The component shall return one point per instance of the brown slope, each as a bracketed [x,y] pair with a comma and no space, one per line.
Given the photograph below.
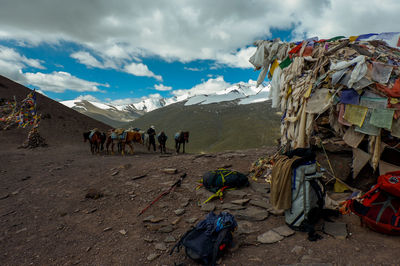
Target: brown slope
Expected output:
[61,124]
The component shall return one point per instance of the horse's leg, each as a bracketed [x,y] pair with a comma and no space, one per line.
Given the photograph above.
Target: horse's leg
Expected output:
[122,144]
[183,147]
[112,147]
[131,146]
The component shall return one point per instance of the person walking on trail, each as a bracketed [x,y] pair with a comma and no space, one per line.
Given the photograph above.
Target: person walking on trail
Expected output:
[152,137]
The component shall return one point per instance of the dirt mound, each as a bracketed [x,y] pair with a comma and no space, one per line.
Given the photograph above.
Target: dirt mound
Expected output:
[59,124]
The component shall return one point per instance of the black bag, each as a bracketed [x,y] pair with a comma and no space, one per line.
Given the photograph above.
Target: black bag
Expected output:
[215,180]
[206,242]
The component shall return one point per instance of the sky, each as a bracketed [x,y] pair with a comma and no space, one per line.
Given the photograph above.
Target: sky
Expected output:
[121,51]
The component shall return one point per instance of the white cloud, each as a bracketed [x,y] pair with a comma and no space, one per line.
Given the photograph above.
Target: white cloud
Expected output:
[115,60]
[238,59]
[87,97]
[125,101]
[139,69]
[87,59]
[206,87]
[161,87]
[12,56]
[61,81]
[193,69]
[12,65]
[188,30]
[42,92]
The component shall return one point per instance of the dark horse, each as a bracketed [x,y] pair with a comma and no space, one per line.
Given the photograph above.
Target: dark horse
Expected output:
[96,140]
[162,139]
[181,138]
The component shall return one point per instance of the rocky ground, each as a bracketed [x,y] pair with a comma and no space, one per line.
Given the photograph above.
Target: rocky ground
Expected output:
[60,205]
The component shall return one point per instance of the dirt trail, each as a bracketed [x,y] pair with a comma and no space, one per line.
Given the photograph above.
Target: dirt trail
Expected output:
[45,218]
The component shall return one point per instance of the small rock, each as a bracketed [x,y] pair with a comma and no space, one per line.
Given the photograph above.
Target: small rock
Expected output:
[88,249]
[122,232]
[179,211]
[148,239]
[297,250]
[284,230]
[115,173]
[107,229]
[93,194]
[4,196]
[208,207]
[152,256]
[169,239]
[237,193]
[21,230]
[185,202]
[91,211]
[311,259]
[251,214]
[160,246]
[177,220]
[246,228]
[192,220]
[261,204]
[230,206]
[240,202]
[259,187]
[336,229]
[149,218]
[25,178]
[166,229]
[269,237]
[170,171]
[153,227]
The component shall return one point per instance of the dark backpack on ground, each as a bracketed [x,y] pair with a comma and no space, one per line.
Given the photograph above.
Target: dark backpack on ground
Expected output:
[208,240]
[215,180]
[223,179]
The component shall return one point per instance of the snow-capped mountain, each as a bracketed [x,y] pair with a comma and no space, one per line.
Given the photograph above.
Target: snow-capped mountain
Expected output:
[116,114]
[245,93]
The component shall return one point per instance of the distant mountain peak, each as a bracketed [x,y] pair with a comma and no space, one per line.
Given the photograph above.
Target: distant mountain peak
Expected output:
[239,93]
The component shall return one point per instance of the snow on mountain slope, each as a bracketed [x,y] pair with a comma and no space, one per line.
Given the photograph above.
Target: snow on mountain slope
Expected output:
[241,93]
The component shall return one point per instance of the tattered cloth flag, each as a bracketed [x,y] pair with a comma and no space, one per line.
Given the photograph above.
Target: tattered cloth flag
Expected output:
[27,113]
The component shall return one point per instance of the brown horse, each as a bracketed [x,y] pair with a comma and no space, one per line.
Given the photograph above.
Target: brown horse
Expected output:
[125,138]
[181,137]
[111,136]
[131,137]
[95,140]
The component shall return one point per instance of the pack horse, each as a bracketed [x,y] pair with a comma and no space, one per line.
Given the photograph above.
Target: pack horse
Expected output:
[96,140]
[181,137]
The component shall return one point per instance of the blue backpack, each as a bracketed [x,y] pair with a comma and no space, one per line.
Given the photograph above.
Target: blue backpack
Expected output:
[208,240]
